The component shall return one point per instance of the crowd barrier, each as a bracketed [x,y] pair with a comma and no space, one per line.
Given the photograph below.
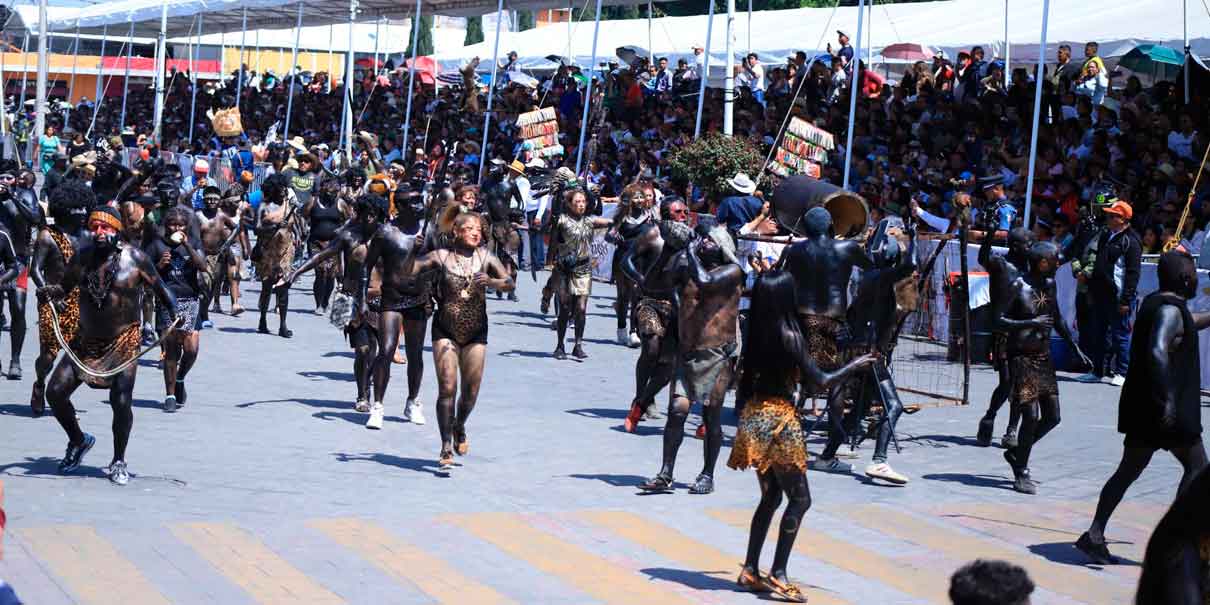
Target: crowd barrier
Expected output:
[220,167]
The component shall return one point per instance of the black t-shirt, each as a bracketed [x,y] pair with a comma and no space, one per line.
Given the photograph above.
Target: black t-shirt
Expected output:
[180,276]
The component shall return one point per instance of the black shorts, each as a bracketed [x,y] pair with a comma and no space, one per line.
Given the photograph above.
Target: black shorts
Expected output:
[440,333]
[1161,442]
[363,335]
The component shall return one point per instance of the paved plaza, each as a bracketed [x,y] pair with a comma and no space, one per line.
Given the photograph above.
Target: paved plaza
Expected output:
[266,488]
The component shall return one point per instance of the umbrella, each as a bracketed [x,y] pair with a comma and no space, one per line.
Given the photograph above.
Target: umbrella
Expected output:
[523,79]
[450,78]
[907,51]
[426,69]
[1159,61]
[561,60]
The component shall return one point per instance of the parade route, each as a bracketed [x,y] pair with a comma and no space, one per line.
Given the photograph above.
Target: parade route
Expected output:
[267,488]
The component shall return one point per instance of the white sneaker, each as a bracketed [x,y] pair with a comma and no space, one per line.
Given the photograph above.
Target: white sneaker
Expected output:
[362,406]
[1117,380]
[623,337]
[376,412]
[413,411]
[884,471]
[1089,378]
[635,341]
[846,451]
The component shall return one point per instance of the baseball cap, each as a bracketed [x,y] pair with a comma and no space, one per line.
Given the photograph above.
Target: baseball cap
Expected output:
[201,167]
[1120,208]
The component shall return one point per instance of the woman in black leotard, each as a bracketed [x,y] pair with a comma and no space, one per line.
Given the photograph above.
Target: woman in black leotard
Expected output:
[769,434]
[325,213]
[460,325]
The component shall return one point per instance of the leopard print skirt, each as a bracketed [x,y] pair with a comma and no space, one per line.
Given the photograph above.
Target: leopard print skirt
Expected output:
[329,268]
[69,322]
[104,354]
[769,437]
[654,317]
[825,336]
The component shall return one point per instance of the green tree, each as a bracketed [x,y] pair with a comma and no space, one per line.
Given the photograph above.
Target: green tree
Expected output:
[474,31]
[709,161]
[525,20]
[425,43]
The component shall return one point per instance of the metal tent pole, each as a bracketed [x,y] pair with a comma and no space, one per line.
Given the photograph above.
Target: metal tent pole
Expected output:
[1185,34]
[193,71]
[331,43]
[348,102]
[749,26]
[650,42]
[161,61]
[596,30]
[293,72]
[491,90]
[126,78]
[702,77]
[854,76]
[75,61]
[243,45]
[729,75]
[96,102]
[1008,78]
[40,104]
[377,36]
[407,113]
[24,74]
[1033,138]
[570,14]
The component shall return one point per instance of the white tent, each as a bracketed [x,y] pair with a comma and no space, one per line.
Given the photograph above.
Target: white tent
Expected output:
[951,25]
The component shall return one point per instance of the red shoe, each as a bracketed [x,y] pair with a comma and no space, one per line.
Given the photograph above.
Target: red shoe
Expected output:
[701,431]
[632,419]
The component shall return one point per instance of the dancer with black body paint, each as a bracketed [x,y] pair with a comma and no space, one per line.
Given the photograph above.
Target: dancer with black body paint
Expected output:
[54,248]
[325,213]
[111,276]
[274,251]
[769,437]
[180,266]
[1160,404]
[20,214]
[1002,270]
[708,293]
[1027,314]
[572,274]
[821,266]
[648,263]
[351,244]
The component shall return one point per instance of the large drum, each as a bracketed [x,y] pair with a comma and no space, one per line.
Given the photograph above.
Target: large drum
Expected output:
[795,195]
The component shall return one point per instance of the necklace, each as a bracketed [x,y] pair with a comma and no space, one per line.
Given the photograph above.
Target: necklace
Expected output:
[464,271]
[99,282]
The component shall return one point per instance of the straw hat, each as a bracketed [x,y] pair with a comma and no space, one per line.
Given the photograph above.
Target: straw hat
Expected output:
[517,167]
[298,144]
[470,147]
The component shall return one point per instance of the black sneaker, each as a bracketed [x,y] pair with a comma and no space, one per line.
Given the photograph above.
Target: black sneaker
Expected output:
[75,454]
[658,483]
[1098,552]
[170,404]
[1024,484]
[829,465]
[181,395]
[118,474]
[1009,440]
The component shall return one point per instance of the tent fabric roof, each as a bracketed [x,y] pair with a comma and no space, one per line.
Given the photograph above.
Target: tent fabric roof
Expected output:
[951,25]
[227,15]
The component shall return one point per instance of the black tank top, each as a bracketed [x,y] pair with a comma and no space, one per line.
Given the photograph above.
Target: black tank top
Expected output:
[325,221]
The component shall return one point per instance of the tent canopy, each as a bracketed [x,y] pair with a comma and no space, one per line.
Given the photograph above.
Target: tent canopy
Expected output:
[227,15]
[951,25]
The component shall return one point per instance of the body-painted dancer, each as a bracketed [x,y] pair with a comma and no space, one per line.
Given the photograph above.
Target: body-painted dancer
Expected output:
[572,274]
[1002,270]
[274,252]
[1027,315]
[1160,405]
[769,437]
[111,276]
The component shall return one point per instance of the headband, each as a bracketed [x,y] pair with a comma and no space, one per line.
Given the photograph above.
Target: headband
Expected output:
[106,218]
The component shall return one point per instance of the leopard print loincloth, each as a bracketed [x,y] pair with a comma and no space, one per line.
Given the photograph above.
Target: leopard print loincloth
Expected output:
[769,436]
[825,336]
[328,268]
[655,317]
[104,354]
[69,322]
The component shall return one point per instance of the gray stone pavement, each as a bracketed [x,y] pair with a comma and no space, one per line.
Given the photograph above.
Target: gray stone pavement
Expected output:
[266,488]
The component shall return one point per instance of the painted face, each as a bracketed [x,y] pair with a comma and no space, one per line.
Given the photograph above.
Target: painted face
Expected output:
[578,205]
[104,235]
[469,234]
[211,201]
[678,212]
[467,198]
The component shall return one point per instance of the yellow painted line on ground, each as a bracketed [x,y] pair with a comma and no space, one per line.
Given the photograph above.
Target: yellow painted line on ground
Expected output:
[1069,580]
[252,566]
[572,564]
[403,561]
[90,567]
[917,579]
[674,545]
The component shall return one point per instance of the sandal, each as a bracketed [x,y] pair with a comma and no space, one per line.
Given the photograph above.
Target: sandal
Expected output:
[658,483]
[785,590]
[446,461]
[752,581]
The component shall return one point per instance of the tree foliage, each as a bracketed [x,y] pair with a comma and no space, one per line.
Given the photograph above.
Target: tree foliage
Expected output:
[525,20]
[474,31]
[425,43]
[709,161]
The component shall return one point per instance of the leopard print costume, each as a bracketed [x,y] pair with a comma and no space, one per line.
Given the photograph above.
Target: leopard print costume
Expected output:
[69,316]
[103,354]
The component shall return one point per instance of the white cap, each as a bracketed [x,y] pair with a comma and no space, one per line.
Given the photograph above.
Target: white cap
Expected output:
[201,166]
